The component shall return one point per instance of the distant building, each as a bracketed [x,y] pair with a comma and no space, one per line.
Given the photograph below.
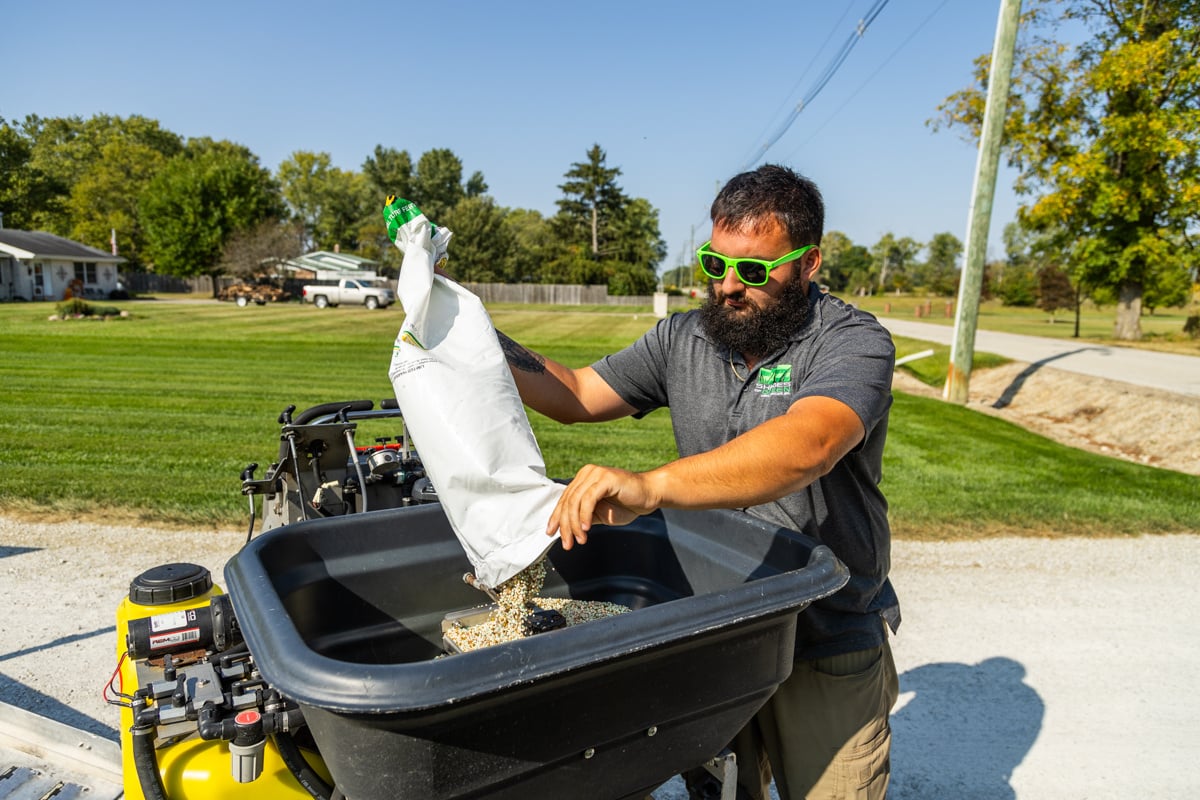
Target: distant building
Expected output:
[35,265]
[321,266]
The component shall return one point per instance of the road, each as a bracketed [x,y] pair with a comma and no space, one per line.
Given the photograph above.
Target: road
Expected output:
[1167,371]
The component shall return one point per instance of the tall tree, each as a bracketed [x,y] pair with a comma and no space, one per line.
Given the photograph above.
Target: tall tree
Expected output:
[638,241]
[592,203]
[437,185]
[304,178]
[345,208]
[1054,290]
[388,171]
[105,197]
[1014,280]
[939,274]
[535,247]
[845,266]
[1104,137]
[893,257]
[198,199]
[482,247]
[65,149]
[23,188]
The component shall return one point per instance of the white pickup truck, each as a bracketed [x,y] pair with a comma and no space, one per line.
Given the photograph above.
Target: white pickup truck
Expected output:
[358,292]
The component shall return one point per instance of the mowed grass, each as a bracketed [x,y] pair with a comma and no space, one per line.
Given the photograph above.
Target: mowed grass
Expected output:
[1162,330]
[153,418]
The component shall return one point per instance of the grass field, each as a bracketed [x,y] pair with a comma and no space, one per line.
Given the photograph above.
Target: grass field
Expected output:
[152,419]
[1162,330]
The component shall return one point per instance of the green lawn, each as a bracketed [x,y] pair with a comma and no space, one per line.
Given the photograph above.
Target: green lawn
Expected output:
[1162,330]
[152,418]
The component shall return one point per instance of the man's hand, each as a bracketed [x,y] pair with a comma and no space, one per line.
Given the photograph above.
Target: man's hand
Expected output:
[604,495]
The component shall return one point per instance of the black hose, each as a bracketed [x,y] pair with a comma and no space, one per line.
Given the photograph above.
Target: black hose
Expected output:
[329,409]
[289,751]
[146,763]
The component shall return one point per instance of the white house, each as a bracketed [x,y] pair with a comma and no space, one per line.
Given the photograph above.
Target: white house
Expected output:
[41,266]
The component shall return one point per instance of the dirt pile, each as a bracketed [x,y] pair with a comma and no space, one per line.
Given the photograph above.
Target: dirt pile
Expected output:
[1135,423]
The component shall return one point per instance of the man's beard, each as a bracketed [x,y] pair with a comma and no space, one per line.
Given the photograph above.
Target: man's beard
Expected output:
[756,331]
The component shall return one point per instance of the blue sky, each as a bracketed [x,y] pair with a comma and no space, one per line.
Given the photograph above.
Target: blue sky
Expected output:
[679,95]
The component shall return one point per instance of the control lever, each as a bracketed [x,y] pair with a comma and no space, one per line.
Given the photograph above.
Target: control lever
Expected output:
[247,476]
[349,431]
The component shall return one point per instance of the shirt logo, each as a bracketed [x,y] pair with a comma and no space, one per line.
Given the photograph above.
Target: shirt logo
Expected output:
[774,380]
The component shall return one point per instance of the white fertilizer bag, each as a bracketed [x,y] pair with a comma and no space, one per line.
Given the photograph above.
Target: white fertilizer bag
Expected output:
[462,408]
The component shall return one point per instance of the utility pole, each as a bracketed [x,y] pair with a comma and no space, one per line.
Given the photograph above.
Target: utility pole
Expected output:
[966,316]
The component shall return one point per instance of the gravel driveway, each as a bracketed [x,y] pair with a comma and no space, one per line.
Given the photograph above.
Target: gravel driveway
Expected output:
[1030,668]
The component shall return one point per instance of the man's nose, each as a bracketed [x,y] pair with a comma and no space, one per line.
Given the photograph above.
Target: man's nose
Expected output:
[731,283]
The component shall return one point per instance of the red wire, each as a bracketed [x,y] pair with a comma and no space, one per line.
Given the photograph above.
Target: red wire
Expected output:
[115,676]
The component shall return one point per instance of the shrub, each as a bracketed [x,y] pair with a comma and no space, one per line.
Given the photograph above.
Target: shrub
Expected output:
[75,307]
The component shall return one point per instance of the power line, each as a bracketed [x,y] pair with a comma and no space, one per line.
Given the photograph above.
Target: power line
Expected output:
[803,73]
[830,70]
[868,79]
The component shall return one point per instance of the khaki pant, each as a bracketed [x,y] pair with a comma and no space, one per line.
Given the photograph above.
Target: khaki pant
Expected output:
[824,733]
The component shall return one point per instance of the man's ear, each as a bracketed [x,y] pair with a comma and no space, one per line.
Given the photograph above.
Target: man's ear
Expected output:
[810,263]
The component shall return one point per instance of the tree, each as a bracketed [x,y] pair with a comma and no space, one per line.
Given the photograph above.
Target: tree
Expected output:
[250,252]
[1104,136]
[892,260]
[834,246]
[105,197]
[43,159]
[607,237]
[639,247]
[65,149]
[388,172]
[592,203]
[940,274]
[437,185]
[23,188]
[304,178]
[1055,290]
[845,266]
[1014,280]
[197,200]
[535,247]
[345,208]
[482,248]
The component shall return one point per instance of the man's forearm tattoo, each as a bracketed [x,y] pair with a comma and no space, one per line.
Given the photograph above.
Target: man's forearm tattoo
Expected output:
[521,357]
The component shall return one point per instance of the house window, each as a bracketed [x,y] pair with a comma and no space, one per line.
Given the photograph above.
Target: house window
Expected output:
[85,272]
[38,279]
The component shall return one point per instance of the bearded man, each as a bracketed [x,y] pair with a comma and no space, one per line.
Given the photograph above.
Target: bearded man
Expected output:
[779,398]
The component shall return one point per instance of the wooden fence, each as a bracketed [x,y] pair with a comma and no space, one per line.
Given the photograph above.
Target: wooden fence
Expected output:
[557,294]
[560,294]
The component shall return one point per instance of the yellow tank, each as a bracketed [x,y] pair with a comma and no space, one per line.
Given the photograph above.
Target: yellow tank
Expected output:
[191,768]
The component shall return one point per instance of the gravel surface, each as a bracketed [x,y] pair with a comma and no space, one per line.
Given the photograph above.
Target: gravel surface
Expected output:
[1030,668]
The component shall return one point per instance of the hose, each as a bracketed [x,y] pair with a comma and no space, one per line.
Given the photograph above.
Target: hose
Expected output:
[146,763]
[289,751]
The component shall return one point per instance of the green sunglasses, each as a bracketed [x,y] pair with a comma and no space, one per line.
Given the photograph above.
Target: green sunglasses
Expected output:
[750,271]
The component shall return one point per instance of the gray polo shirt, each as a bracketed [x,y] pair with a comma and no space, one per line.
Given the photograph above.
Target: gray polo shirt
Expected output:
[841,353]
